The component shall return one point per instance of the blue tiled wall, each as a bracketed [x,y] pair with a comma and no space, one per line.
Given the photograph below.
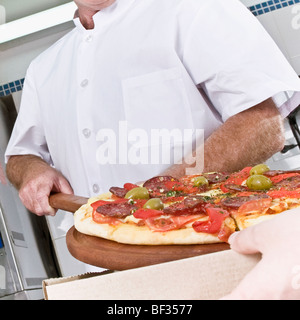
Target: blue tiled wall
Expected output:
[257,10]
[271,5]
[11,87]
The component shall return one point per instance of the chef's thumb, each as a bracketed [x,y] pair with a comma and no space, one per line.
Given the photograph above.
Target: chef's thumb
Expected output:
[245,241]
[63,186]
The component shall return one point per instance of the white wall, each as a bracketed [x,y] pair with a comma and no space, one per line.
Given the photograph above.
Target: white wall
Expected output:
[16,56]
[284,26]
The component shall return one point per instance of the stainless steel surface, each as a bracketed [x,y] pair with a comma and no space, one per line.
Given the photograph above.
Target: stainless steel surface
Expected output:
[26,256]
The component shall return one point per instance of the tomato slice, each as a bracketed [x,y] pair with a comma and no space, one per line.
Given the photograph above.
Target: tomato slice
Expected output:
[284,176]
[236,178]
[98,203]
[130,186]
[191,189]
[275,194]
[214,223]
[180,187]
[225,233]
[189,179]
[101,219]
[172,185]
[147,213]
[172,199]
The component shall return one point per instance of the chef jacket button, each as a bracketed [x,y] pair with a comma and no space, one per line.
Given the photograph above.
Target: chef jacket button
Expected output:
[89,38]
[96,188]
[84,83]
[86,132]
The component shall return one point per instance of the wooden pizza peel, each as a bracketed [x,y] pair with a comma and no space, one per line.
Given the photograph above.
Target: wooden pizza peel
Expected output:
[117,256]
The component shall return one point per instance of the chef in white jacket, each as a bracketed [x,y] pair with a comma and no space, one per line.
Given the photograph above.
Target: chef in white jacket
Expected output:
[143,65]
[131,68]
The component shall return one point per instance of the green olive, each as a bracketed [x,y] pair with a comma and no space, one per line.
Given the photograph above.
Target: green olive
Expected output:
[154,204]
[200,181]
[259,182]
[137,193]
[259,169]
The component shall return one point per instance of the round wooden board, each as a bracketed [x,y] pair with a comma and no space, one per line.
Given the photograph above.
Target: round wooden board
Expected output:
[117,256]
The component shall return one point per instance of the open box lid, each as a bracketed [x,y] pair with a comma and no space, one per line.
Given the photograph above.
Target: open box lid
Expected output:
[207,277]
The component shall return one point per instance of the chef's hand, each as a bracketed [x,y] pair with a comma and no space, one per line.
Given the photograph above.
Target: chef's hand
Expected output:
[277,275]
[35,180]
[36,190]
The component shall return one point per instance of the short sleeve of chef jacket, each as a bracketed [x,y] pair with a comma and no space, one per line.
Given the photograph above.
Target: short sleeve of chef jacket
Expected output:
[228,52]
[29,120]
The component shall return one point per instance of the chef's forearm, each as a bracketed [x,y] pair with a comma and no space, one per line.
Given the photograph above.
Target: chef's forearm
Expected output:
[247,138]
[19,167]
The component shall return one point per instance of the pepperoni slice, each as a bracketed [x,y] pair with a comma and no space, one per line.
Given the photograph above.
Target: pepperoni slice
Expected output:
[260,206]
[181,221]
[161,224]
[169,223]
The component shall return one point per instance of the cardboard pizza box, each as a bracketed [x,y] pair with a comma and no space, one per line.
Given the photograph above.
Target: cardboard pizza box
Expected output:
[207,277]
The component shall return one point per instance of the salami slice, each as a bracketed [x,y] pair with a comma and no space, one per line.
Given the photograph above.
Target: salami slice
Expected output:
[236,202]
[274,173]
[290,183]
[190,205]
[196,201]
[216,177]
[158,182]
[117,210]
[159,186]
[235,187]
[119,192]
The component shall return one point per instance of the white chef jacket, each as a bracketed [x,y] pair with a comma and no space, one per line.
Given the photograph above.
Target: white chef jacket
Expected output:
[140,65]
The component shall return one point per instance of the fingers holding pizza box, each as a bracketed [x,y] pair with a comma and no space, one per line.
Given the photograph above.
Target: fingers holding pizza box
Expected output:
[278,271]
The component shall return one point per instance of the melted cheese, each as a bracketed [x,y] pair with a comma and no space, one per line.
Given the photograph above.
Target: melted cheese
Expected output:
[211,193]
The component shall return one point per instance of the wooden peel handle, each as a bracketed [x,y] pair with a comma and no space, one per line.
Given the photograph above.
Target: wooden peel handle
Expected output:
[66,202]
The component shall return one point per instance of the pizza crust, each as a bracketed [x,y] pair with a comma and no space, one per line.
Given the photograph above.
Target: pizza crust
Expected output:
[129,233]
[244,222]
[278,207]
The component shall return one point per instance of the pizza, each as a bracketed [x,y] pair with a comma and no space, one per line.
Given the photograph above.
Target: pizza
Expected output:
[195,209]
